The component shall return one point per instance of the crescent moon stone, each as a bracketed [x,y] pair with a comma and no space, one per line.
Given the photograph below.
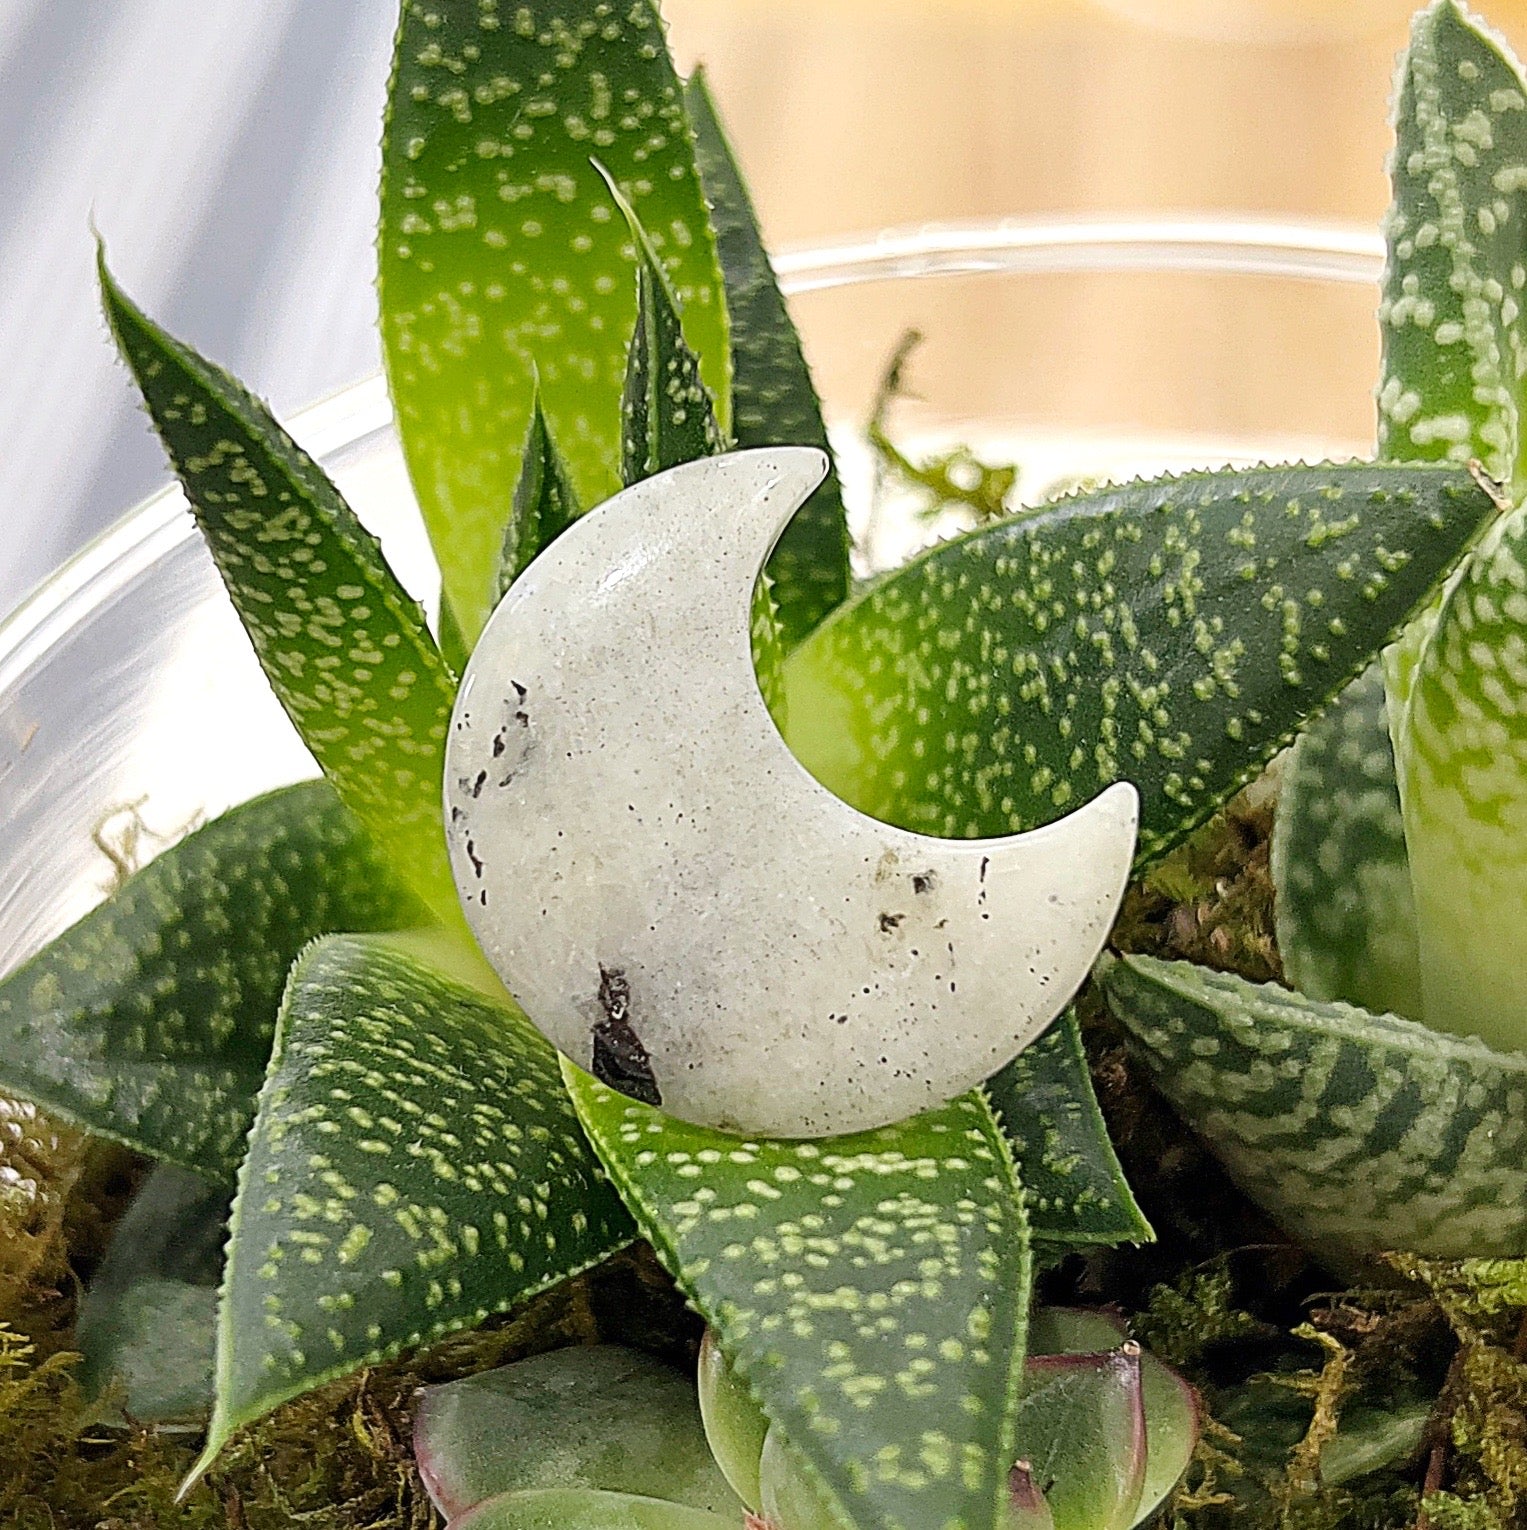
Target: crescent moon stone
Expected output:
[676,903]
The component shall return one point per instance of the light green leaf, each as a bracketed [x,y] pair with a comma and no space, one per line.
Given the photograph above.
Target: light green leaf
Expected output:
[587,1509]
[1172,633]
[667,417]
[774,402]
[1075,1188]
[1357,1132]
[414,1166]
[1451,315]
[1346,917]
[345,648]
[544,502]
[592,1416]
[500,253]
[1081,1433]
[872,1289]
[1461,749]
[150,1020]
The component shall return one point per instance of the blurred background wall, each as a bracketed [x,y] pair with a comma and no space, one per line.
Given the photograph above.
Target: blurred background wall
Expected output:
[226,151]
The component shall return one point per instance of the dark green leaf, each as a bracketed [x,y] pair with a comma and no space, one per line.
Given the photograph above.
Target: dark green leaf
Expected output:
[667,417]
[1076,1190]
[414,1166]
[587,1417]
[344,646]
[150,1020]
[872,1289]
[544,502]
[1172,633]
[1357,1132]
[1451,317]
[774,402]
[1346,916]
[147,1323]
[501,256]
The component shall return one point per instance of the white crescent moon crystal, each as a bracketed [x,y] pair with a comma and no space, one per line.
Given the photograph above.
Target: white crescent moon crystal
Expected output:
[676,903]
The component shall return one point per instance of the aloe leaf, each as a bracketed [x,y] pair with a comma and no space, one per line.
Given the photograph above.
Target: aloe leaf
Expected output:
[150,1020]
[500,255]
[145,1327]
[1357,1132]
[345,648]
[545,504]
[1173,633]
[414,1166]
[667,417]
[1081,1436]
[1075,1188]
[1451,315]
[587,1509]
[774,402]
[872,1289]
[735,1426]
[1345,913]
[597,1416]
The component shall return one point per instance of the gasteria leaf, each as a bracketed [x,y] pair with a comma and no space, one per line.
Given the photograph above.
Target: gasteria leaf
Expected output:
[1174,633]
[414,1166]
[500,253]
[345,648]
[666,414]
[150,1021]
[1346,916]
[1075,1188]
[872,1290]
[1455,337]
[545,504]
[774,402]
[1357,1132]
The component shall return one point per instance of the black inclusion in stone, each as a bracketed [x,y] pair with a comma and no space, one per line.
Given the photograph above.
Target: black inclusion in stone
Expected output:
[620,1060]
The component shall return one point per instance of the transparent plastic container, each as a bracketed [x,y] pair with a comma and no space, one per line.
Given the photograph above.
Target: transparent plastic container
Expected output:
[129,694]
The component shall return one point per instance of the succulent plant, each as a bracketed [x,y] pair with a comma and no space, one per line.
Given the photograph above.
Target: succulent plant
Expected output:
[574,296]
[1381,1103]
[1106,1432]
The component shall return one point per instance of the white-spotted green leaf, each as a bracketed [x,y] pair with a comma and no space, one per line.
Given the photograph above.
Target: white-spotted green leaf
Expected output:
[1357,1132]
[545,503]
[1075,1187]
[590,1416]
[667,418]
[414,1166]
[501,256]
[1346,917]
[1172,633]
[774,402]
[150,1021]
[872,1289]
[666,413]
[345,648]
[1451,315]
[1461,749]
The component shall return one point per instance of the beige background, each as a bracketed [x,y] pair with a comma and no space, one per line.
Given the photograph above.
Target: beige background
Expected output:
[856,114]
